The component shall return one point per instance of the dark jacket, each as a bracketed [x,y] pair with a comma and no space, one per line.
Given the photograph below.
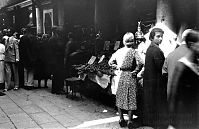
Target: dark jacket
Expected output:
[27,51]
[11,50]
[56,47]
[184,98]
[154,93]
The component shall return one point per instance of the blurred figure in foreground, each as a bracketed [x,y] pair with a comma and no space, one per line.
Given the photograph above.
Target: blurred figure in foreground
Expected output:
[172,59]
[184,96]
[128,63]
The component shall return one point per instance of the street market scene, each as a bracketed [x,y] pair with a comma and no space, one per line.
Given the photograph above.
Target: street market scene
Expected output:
[99,64]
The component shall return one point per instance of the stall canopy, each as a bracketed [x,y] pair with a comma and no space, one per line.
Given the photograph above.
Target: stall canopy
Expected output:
[4,3]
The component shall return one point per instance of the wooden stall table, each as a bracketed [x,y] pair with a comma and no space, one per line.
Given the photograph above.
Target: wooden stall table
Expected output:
[74,84]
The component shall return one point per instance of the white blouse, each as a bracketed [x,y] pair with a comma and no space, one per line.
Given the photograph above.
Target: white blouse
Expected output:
[2,50]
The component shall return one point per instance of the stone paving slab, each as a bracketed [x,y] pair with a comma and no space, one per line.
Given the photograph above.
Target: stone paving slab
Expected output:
[39,109]
[20,117]
[9,106]
[67,120]
[54,110]
[7,125]
[107,123]
[42,118]
[22,102]
[52,125]
[24,124]
[31,109]
[1,112]
[4,119]
[5,99]
[12,111]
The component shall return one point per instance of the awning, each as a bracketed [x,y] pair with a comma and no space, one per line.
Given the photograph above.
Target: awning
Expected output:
[18,3]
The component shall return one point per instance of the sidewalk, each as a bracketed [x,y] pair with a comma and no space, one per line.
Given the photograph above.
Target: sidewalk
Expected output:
[39,109]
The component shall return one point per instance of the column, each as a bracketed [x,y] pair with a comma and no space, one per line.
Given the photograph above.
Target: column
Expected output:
[105,17]
[34,14]
[60,9]
[164,13]
[39,20]
[197,15]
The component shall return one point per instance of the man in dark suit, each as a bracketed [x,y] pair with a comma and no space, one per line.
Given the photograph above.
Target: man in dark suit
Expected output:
[172,58]
[27,57]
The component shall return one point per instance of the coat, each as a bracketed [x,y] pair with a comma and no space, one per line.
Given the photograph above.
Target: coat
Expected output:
[27,51]
[171,61]
[154,93]
[184,97]
[41,71]
[11,50]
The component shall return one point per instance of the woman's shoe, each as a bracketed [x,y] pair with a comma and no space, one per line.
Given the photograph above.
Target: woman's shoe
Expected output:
[5,90]
[16,88]
[132,125]
[122,123]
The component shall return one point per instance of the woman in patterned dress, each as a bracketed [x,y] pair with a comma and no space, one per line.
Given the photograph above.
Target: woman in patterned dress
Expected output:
[128,64]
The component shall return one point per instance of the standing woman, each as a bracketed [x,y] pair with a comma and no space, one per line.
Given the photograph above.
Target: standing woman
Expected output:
[128,64]
[154,96]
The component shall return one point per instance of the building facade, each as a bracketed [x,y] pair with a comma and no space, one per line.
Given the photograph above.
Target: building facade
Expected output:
[112,17]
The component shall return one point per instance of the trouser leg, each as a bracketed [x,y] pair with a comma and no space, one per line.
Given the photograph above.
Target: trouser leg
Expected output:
[7,75]
[21,74]
[54,79]
[25,77]
[39,83]
[16,75]
[30,78]
[45,82]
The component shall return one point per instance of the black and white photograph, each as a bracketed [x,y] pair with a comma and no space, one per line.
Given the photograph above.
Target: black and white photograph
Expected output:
[99,64]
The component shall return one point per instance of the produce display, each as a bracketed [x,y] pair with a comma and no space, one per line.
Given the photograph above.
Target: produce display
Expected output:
[96,68]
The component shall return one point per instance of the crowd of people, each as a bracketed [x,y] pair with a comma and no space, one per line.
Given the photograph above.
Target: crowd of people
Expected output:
[170,88]
[26,57]
[169,93]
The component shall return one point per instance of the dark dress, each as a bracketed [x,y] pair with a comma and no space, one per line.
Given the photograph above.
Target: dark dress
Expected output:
[184,98]
[154,92]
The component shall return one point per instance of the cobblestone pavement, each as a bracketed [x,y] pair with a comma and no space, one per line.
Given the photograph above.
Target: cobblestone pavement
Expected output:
[39,109]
